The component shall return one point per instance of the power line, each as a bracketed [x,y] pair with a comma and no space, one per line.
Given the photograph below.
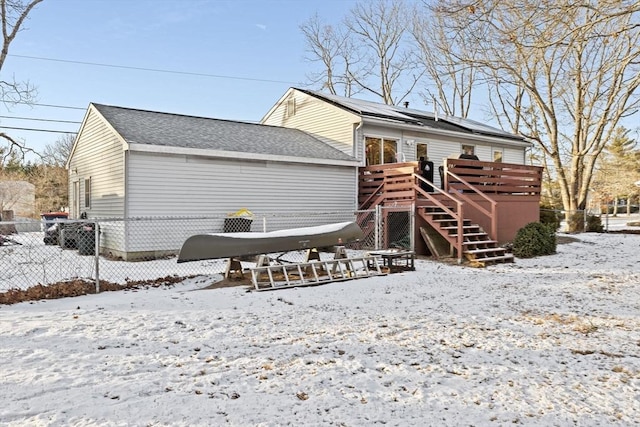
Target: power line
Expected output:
[50,105]
[40,120]
[36,130]
[155,70]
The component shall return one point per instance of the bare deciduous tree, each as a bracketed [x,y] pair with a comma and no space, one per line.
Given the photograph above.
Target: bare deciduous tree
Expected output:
[451,81]
[564,73]
[370,52]
[332,47]
[56,154]
[13,14]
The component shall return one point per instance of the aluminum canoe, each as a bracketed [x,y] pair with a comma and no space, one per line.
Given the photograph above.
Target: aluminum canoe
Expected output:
[229,245]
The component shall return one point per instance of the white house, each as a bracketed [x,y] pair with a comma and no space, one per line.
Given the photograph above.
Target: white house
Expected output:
[376,133]
[496,197]
[129,163]
[304,156]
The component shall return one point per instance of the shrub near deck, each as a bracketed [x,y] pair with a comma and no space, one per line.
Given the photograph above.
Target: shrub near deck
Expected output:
[534,239]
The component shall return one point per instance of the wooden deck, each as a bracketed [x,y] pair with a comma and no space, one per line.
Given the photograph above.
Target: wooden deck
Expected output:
[478,205]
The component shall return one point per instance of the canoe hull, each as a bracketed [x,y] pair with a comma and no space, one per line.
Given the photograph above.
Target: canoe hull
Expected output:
[228,245]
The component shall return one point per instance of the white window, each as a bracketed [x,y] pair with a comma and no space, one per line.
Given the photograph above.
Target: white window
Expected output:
[380,150]
[469,150]
[421,150]
[497,155]
[290,107]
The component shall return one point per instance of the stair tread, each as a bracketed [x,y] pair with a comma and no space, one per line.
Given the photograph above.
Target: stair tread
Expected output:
[480,242]
[495,258]
[484,250]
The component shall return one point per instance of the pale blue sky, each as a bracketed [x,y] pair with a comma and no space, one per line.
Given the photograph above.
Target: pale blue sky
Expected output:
[254,46]
[257,42]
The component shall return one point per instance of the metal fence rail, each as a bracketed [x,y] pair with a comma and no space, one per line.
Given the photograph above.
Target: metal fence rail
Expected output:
[142,249]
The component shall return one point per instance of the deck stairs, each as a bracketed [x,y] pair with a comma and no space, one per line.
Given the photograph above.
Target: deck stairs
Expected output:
[478,248]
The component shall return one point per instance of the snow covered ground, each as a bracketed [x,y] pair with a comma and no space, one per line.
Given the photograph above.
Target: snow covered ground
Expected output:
[547,341]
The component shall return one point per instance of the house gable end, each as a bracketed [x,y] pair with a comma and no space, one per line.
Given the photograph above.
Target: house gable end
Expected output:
[92,114]
[178,132]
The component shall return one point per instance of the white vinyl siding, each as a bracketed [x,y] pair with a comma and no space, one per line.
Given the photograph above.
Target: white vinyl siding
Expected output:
[329,124]
[98,156]
[510,155]
[160,185]
[179,185]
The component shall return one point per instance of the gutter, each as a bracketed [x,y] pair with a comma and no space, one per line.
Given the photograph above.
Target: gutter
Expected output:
[235,155]
[474,137]
[360,162]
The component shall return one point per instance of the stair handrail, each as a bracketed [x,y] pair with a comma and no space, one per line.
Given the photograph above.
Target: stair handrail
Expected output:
[458,215]
[492,215]
[387,174]
[374,193]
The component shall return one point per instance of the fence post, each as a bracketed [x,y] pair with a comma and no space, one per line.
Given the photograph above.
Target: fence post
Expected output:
[97,255]
[412,227]
[378,227]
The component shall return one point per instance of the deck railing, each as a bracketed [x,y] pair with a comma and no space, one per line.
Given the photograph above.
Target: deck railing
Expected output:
[479,186]
[395,181]
[381,184]
[492,177]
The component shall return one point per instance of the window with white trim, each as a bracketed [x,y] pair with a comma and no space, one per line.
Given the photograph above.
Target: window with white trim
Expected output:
[290,107]
[497,155]
[380,150]
[421,150]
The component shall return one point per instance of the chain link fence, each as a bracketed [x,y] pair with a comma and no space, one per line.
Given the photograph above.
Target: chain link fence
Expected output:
[396,227]
[589,220]
[145,249]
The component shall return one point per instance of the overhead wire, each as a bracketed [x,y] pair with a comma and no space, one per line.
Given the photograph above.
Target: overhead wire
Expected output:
[36,130]
[40,120]
[125,67]
[49,105]
[155,70]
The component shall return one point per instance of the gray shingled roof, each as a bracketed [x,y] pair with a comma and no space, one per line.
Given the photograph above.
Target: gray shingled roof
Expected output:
[411,116]
[175,130]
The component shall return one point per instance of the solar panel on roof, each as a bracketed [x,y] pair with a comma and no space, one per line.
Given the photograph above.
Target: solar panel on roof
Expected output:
[477,126]
[411,115]
[367,107]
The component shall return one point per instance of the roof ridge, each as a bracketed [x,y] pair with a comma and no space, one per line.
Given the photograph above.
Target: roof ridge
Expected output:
[96,104]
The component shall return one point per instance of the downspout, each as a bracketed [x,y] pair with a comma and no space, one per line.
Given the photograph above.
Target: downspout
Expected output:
[125,213]
[354,151]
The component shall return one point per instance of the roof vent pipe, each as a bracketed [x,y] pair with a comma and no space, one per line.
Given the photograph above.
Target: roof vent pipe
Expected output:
[406,104]
[435,108]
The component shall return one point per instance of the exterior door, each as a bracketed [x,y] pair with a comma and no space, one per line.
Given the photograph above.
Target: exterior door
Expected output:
[75,209]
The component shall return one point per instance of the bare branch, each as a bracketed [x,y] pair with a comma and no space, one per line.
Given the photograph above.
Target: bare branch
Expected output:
[369,52]
[576,63]
[13,14]
[14,147]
